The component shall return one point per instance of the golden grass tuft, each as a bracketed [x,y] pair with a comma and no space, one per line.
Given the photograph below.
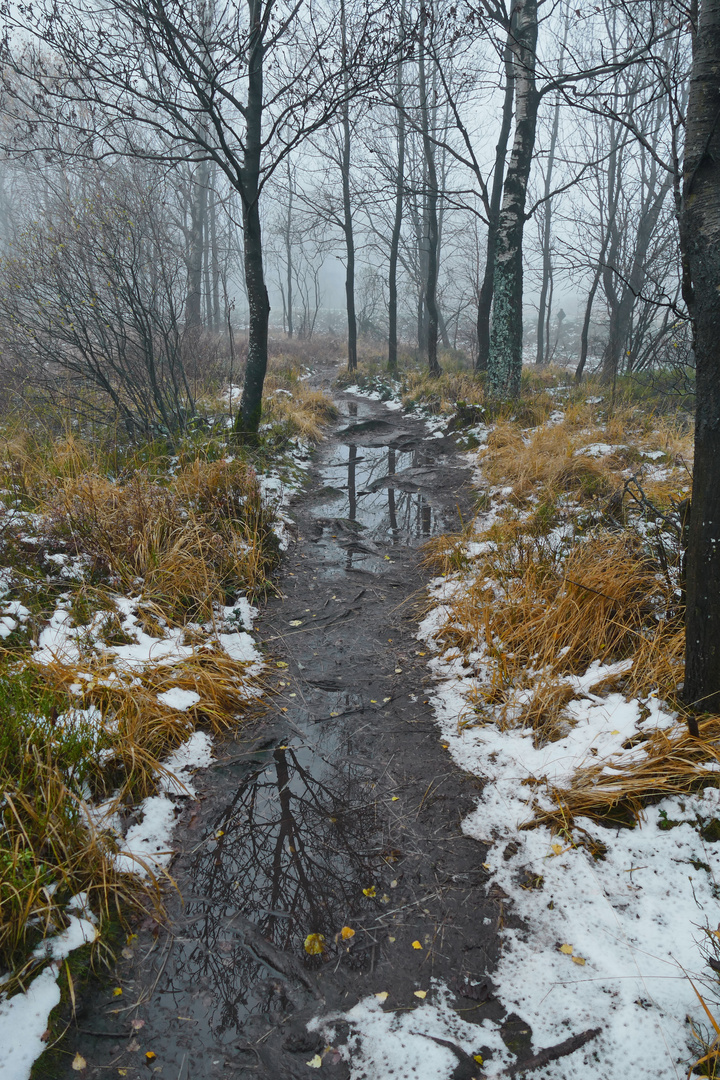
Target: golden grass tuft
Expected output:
[572,570]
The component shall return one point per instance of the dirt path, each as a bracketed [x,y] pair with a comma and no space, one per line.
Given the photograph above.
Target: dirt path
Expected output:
[343,811]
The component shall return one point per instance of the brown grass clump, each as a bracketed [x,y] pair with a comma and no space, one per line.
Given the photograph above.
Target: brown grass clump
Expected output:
[579,563]
[191,544]
[303,412]
[669,762]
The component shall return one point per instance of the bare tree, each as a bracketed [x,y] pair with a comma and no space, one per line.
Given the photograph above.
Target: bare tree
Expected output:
[172,79]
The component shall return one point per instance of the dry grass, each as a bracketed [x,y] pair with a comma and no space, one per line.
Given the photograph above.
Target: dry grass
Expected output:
[183,542]
[191,542]
[578,563]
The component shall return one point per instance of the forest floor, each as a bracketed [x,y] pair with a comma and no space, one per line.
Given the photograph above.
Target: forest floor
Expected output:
[468,835]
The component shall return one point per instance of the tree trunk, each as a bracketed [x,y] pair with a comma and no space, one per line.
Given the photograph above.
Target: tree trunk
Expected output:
[198,227]
[347,208]
[485,295]
[432,222]
[288,253]
[543,336]
[700,239]
[397,222]
[248,418]
[505,360]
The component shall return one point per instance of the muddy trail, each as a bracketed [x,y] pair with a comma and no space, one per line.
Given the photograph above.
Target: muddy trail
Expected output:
[340,808]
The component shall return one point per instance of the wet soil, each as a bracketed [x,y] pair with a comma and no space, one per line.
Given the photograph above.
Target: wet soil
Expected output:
[340,808]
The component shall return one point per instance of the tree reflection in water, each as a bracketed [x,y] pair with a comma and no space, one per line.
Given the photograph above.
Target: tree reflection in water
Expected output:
[292,853]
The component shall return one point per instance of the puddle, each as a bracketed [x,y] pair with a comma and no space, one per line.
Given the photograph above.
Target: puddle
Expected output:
[285,858]
[291,836]
[377,491]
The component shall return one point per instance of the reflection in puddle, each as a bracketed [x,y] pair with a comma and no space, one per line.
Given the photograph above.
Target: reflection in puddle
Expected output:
[374,494]
[286,858]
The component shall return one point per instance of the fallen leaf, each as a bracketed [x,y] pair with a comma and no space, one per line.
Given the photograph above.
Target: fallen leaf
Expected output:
[387,699]
[117,991]
[347,932]
[486,866]
[578,960]
[373,701]
[478,1058]
[315,944]
[79,1063]
[372,891]
[133,1046]
[395,798]
[445,746]
[280,664]
[384,899]
[398,671]
[420,993]
[315,1062]
[382,996]
[392,939]
[137,1024]
[422,654]
[615,732]
[219,833]
[416,945]
[295,622]
[388,558]
[557,849]
[122,1072]
[567,949]
[393,884]
[127,953]
[150,1056]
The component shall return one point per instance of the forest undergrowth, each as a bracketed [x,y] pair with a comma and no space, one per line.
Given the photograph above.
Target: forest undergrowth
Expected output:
[128,575]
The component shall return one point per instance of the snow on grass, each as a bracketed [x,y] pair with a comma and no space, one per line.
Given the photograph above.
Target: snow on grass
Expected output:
[608,919]
[24,1017]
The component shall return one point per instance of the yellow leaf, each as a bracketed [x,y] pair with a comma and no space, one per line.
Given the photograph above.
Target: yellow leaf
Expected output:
[395,798]
[577,960]
[117,991]
[150,1056]
[388,558]
[420,993]
[615,732]
[416,945]
[398,671]
[384,899]
[315,944]
[372,891]
[391,939]
[373,701]
[486,866]
[296,622]
[315,1062]
[79,1063]
[382,996]
[280,663]
[422,654]
[219,833]
[478,1058]
[557,849]
[387,699]
[567,949]
[122,1072]
[347,932]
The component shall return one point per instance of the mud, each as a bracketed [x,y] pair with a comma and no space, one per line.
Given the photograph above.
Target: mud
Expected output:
[339,809]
